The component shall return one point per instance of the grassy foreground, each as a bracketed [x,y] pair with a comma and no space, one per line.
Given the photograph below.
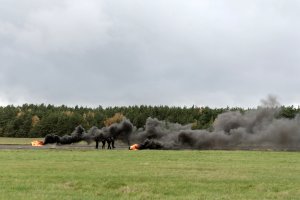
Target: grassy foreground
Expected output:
[103,174]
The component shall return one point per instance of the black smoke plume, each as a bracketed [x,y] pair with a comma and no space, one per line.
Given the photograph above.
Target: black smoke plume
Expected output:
[117,131]
[259,128]
[255,129]
[76,136]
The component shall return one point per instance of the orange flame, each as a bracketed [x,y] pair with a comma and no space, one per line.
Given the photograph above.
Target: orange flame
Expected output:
[37,143]
[134,147]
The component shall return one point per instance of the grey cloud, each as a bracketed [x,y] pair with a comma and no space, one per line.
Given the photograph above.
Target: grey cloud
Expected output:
[151,52]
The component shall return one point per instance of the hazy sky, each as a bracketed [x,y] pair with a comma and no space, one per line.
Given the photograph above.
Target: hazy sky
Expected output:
[158,52]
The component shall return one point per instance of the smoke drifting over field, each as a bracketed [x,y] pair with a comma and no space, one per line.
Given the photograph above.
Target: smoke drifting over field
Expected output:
[257,128]
[119,131]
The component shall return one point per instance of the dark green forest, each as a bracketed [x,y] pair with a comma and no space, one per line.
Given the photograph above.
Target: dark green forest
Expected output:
[31,120]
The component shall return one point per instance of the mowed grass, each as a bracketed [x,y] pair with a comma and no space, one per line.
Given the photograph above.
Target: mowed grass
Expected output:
[11,140]
[121,174]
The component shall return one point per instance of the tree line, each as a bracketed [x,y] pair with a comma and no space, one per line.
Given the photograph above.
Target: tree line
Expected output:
[30,120]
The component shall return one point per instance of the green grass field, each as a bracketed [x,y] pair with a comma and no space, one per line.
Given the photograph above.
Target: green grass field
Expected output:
[121,174]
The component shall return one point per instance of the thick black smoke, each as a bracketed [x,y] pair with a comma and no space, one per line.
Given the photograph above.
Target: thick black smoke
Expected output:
[120,131]
[258,128]
[76,136]
[117,131]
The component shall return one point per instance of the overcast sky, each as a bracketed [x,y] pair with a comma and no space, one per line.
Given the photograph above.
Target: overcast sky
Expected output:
[154,52]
